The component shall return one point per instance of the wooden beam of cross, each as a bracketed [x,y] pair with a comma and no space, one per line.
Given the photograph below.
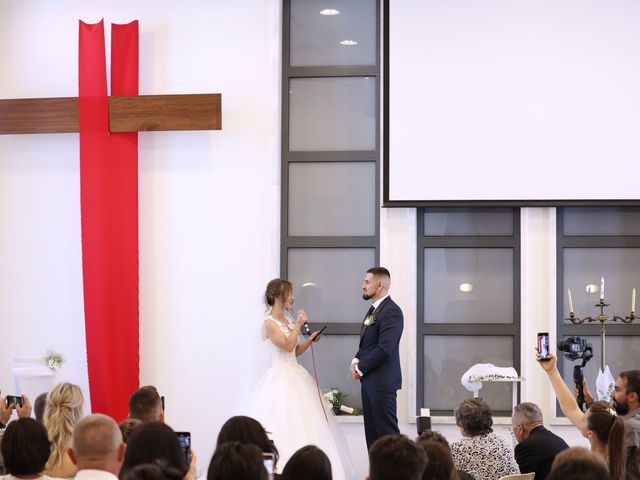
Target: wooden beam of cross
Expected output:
[126,114]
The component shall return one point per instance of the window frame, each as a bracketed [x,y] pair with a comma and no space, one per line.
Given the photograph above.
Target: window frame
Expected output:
[348,326]
[465,329]
[586,329]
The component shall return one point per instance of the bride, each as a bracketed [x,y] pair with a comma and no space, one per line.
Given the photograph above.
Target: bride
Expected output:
[289,404]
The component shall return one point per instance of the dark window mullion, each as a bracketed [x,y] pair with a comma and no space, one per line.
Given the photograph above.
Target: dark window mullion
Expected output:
[330,242]
[469,242]
[599,242]
[337,328]
[330,156]
[333,71]
[466,329]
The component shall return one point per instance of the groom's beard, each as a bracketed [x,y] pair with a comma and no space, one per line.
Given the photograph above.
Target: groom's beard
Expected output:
[621,409]
[366,296]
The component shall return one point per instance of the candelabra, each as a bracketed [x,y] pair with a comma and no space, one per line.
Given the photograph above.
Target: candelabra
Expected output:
[602,318]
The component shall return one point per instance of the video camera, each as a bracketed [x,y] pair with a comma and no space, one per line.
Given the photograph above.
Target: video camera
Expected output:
[576,348]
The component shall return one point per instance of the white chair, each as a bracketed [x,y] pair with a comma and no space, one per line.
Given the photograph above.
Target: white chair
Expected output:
[519,476]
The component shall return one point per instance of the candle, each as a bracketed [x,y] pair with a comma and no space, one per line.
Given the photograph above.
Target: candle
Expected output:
[633,300]
[602,288]
[570,302]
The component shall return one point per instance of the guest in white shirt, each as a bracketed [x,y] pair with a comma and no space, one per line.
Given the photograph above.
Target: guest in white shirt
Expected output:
[25,447]
[97,449]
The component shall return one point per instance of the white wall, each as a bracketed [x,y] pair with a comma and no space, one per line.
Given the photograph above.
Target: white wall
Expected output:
[209,214]
[208,201]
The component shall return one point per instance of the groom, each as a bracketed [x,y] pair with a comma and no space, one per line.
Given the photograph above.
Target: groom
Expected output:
[377,363]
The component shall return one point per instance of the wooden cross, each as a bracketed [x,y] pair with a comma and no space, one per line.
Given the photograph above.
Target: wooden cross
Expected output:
[126,114]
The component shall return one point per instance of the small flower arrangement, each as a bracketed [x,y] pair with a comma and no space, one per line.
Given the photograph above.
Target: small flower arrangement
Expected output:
[53,359]
[369,320]
[335,398]
[489,377]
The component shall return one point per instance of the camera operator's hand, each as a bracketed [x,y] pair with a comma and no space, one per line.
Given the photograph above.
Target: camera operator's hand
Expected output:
[5,411]
[25,410]
[588,398]
[549,364]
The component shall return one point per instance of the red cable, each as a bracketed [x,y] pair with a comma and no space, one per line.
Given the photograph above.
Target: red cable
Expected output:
[315,374]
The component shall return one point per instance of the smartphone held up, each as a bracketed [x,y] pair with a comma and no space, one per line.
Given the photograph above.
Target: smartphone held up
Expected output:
[543,346]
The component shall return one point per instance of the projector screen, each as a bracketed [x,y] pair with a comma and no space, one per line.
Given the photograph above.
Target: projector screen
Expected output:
[520,102]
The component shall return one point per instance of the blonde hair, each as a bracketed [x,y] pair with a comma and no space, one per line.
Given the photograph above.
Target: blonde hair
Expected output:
[63,410]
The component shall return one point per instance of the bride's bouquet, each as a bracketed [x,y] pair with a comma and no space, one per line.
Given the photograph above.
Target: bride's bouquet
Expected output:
[336,398]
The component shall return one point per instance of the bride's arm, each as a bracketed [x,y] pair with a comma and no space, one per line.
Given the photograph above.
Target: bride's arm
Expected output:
[284,342]
[304,346]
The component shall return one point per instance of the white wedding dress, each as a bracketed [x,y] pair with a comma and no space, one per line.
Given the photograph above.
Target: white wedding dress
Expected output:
[289,407]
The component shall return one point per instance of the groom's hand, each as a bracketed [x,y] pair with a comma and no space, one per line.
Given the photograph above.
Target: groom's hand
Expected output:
[354,373]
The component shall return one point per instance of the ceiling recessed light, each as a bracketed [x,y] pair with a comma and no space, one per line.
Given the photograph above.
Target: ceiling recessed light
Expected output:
[466,287]
[348,42]
[329,11]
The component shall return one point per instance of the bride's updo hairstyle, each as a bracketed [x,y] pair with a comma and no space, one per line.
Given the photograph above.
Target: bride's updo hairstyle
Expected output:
[277,288]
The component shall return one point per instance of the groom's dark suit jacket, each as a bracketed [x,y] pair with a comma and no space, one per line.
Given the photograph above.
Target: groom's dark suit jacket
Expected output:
[378,352]
[537,451]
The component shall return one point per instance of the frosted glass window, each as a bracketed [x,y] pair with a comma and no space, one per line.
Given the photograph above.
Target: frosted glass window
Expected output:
[328,281]
[316,38]
[332,114]
[468,285]
[333,360]
[476,222]
[446,358]
[332,199]
[601,221]
[583,269]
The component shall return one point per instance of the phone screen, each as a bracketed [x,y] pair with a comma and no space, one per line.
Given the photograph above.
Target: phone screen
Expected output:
[17,400]
[185,443]
[543,345]
[268,463]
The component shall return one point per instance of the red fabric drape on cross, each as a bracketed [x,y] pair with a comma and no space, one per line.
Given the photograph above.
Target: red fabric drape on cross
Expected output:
[109,209]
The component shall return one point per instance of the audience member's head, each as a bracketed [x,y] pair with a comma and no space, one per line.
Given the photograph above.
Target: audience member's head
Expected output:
[433,436]
[145,404]
[25,447]
[128,426]
[154,441]
[526,416]
[158,470]
[576,453]
[626,394]
[605,430]
[38,406]
[97,444]
[308,463]
[473,416]
[395,456]
[62,412]
[237,461]
[440,464]
[578,463]
[247,430]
